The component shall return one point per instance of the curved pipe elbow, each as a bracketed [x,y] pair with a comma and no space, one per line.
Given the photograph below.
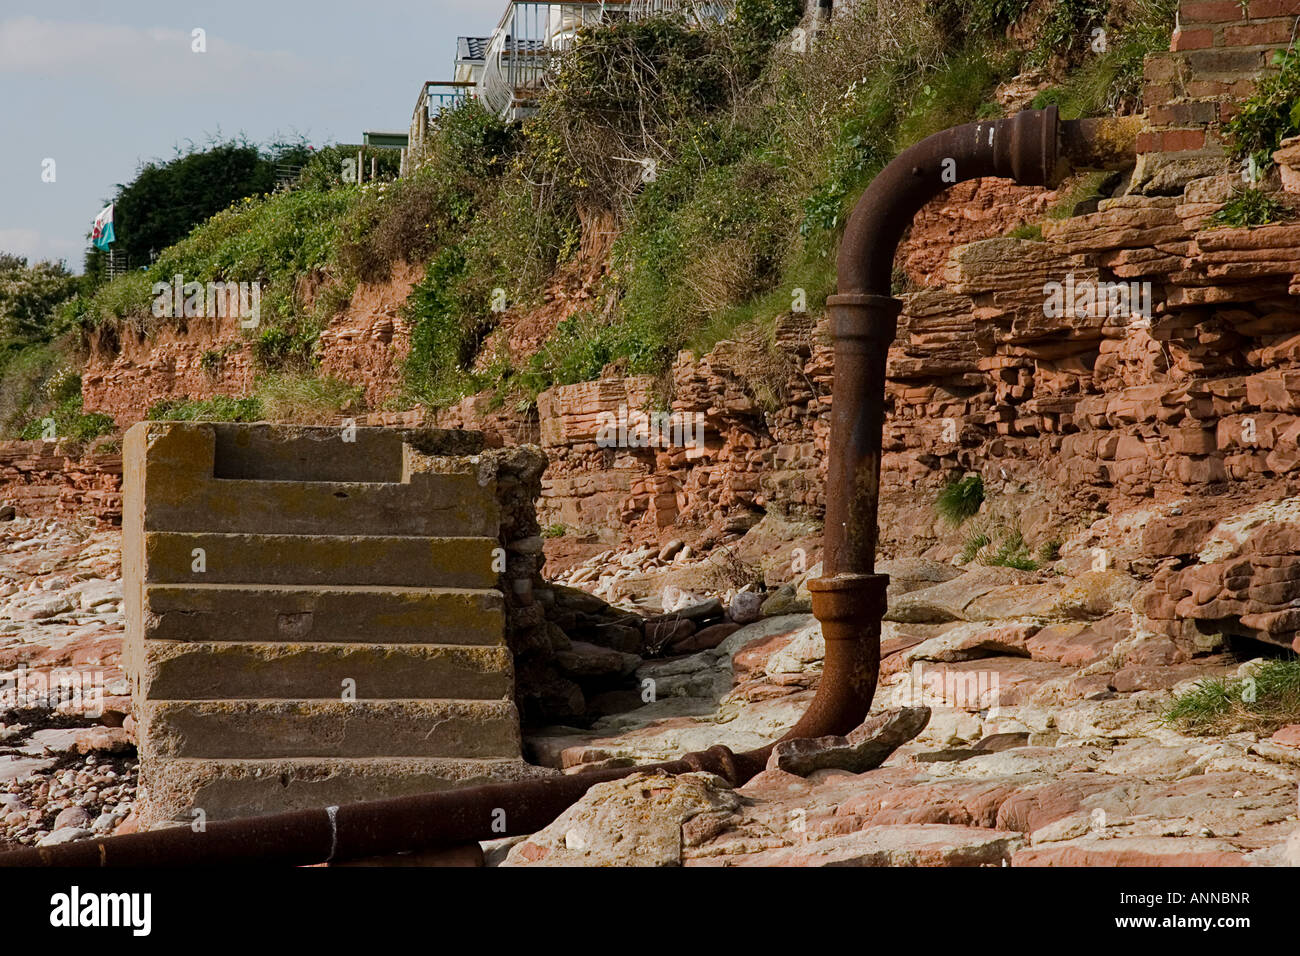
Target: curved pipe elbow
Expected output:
[1022,147]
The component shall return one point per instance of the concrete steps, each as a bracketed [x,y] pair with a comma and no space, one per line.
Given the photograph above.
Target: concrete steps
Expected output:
[311,618]
[319,559]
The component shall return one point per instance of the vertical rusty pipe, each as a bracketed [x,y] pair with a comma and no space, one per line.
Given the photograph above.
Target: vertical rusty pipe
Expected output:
[849,598]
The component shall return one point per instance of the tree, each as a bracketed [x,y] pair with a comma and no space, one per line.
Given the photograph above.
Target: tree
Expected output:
[29,294]
[168,199]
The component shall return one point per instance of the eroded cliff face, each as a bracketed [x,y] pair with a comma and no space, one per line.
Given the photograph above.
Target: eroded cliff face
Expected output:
[130,369]
[1134,355]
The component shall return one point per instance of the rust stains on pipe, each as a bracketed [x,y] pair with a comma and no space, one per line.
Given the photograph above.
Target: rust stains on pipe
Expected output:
[849,600]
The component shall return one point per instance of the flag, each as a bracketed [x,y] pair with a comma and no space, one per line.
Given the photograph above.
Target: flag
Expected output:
[102,234]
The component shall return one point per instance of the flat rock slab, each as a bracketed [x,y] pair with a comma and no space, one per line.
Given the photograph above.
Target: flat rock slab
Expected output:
[909,845]
[948,601]
[18,768]
[1143,851]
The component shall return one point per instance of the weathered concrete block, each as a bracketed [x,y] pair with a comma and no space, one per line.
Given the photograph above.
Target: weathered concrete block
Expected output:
[211,671]
[312,616]
[321,559]
[202,612]
[223,789]
[260,729]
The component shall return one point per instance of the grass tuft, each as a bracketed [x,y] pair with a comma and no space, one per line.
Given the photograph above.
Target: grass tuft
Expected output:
[960,499]
[1262,702]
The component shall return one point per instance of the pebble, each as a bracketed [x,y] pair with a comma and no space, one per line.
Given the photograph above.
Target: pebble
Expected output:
[71,817]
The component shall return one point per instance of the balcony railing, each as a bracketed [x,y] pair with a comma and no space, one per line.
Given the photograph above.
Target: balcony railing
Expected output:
[435,96]
[530,35]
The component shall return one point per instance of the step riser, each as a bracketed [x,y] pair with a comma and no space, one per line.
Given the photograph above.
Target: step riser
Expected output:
[449,506]
[226,790]
[319,560]
[181,613]
[189,671]
[268,729]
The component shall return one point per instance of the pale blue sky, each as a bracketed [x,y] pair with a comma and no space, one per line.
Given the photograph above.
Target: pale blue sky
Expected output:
[101,87]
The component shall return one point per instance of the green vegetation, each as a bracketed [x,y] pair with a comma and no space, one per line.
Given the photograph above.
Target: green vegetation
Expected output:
[39,345]
[712,165]
[218,409]
[1011,552]
[1269,115]
[1262,702]
[1001,546]
[303,398]
[1250,207]
[169,198]
[62,416]
[554,531]
[960,499]
[1031,232]
[306,398]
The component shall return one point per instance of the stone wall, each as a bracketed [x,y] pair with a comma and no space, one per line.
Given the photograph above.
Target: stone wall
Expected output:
[62,479]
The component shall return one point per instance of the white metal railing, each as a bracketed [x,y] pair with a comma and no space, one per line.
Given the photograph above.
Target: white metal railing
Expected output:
[530,35]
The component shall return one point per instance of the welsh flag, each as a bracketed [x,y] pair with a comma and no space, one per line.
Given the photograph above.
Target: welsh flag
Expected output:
[102,234]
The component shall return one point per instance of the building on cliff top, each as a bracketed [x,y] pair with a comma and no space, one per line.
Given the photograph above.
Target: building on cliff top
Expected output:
[505,70]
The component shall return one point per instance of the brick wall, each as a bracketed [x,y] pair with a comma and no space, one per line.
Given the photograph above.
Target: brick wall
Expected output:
[1219,50]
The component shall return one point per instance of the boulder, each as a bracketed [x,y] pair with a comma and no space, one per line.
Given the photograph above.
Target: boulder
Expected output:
[746,607]
[72,817]
[1095,594]
[587,661]
[705,639]
[786,600]
[640,820]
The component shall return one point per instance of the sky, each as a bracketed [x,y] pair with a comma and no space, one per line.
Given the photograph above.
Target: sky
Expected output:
[102,87]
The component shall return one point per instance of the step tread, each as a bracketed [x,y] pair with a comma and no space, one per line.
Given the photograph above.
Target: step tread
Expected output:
[317,588]
[225,788]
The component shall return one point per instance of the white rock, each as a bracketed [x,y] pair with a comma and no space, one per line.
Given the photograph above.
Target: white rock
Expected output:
[66,835]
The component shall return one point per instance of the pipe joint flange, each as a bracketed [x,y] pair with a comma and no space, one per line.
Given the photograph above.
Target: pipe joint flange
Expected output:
[857,315]
[849,597]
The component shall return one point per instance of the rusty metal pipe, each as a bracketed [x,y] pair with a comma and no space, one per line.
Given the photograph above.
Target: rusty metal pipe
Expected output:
[848,600]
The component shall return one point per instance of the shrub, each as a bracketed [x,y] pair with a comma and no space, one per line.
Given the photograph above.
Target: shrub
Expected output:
[324,169]
[998,545]
[31,295]
[402,222]
[1269,115]
[168,199]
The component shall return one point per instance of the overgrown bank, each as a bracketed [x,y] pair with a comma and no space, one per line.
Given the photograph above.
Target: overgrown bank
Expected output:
[695,178]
